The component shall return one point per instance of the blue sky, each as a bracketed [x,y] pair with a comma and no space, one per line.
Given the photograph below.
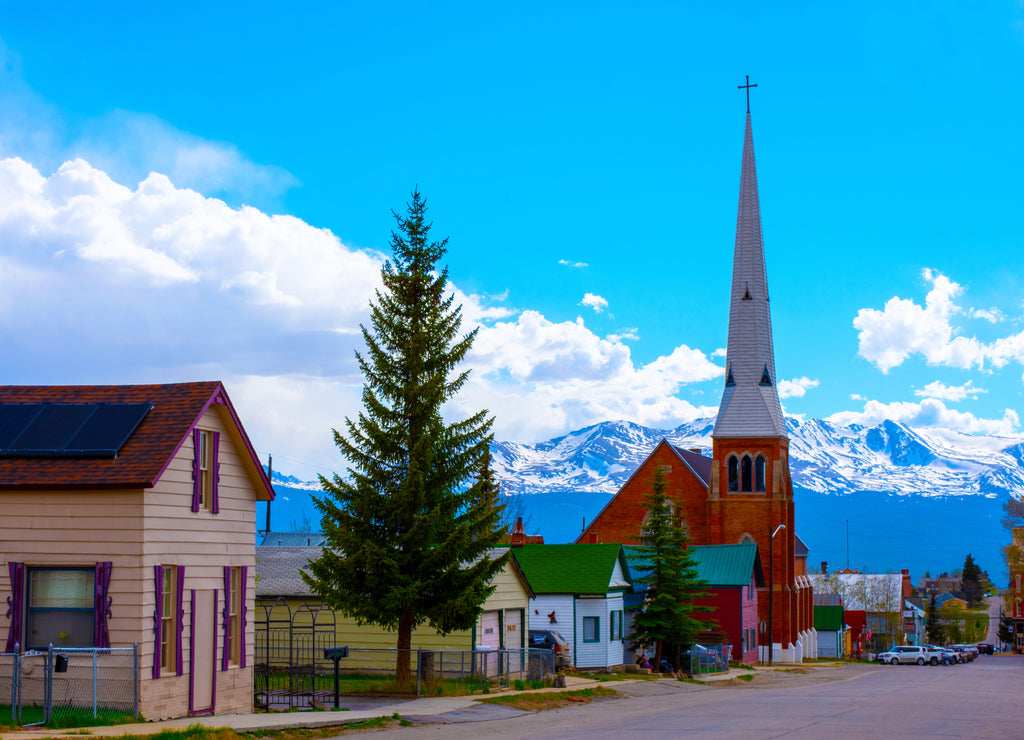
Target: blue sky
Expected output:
[192,192]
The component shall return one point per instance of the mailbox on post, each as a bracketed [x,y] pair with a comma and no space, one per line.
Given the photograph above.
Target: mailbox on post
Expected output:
[336,654]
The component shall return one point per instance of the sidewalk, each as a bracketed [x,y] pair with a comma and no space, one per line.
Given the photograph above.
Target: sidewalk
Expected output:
[421,709]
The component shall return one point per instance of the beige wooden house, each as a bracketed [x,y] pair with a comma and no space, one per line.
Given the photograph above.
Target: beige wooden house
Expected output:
[502,622]
[127,515]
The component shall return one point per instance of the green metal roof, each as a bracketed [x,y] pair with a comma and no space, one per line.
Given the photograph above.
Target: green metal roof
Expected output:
[719,565]
[569,569]
[829,618]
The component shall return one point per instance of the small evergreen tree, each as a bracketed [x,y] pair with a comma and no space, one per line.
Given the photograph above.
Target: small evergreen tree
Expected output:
[667,619]
[970,582]
[932,626]
[408,531]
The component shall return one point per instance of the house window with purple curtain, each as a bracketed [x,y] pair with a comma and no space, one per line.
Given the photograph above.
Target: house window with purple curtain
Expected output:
[205,471]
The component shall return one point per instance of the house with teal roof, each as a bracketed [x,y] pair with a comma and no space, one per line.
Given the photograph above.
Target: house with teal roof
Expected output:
[579,590]
[733,574]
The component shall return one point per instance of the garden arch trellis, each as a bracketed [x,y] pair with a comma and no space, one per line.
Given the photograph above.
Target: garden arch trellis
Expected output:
[290,644]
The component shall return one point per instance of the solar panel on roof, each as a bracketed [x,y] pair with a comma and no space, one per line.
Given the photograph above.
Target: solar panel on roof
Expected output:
[109,427]
[53,427]
[14,417]
[87,430]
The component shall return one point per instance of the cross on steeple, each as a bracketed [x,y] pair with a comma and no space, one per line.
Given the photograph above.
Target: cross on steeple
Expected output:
[747,86]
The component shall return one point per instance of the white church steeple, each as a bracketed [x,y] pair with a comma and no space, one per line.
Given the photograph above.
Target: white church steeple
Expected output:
[750,400]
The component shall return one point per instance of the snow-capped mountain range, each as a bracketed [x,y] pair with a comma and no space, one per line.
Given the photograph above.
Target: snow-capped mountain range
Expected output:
[880,498]
[824,458]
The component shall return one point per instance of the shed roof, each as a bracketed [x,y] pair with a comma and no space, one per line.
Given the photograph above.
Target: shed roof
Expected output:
[571,569]
[278,569]
[145,455]
[717,565]
[829,618]
[729,565]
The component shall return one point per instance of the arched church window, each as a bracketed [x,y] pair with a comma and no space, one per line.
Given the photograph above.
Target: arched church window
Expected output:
[734,473]
[746,539]
[746,474]
[759,473]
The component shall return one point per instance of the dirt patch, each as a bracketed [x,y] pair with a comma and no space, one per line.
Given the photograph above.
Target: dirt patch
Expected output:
[538,702]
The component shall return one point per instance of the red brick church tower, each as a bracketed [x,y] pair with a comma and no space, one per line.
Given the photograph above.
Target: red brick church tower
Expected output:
[750,495]
[744,492]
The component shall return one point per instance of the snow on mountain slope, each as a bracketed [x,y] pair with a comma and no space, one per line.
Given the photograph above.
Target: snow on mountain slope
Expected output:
[824,457]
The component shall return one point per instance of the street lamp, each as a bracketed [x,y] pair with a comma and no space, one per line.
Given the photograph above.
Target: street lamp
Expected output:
[771,592]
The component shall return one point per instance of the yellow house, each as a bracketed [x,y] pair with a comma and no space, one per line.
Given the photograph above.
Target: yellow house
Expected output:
[282,594]
[128,515]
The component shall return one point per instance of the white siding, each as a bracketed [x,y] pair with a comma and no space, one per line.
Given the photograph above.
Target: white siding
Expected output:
[592,654]
[562,606]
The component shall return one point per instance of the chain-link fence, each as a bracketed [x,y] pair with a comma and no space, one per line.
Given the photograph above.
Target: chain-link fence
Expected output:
[371,671]
[714,659]
[69,687]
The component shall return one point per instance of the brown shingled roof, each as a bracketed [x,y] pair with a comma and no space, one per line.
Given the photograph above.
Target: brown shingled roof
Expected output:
[142,459]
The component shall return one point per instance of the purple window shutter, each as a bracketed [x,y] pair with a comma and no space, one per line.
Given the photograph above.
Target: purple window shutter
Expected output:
[179,661]
[197,481]
[101,606]
[242,610]
[158,574]
[214,472]
[225,656]
[15,605]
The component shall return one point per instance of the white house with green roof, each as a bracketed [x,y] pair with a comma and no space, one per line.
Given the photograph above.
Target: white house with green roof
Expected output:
[579,590]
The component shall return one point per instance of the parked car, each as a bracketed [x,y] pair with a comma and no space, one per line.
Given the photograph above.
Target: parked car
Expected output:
[933,654]
[904,654]
[986,648]
[962,656]
[552,640]
[969,652]
[950,656]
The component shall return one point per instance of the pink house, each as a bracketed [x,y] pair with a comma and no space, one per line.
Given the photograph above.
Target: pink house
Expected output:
[128,516]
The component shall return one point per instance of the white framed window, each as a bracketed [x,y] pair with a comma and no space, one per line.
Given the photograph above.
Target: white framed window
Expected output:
[61,607]
[169,618]
[205,471]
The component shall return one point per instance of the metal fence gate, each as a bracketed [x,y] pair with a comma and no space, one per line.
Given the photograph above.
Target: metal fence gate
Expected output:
[69,686]
[290,669]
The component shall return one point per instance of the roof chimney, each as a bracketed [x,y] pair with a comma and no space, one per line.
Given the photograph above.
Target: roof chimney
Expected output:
[824,567]
[695,450]
[518,538]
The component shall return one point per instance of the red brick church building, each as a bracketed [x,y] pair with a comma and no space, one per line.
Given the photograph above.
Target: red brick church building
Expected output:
[743,493]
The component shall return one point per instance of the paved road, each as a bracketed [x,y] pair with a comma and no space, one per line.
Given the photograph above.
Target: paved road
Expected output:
[994,603]
[975,700]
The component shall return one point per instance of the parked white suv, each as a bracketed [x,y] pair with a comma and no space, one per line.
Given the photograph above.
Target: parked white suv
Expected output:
[905,654]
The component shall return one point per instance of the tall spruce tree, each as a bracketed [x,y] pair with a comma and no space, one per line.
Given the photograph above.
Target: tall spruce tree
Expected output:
[933,629]
[970,582]
[409,529]
[667,618]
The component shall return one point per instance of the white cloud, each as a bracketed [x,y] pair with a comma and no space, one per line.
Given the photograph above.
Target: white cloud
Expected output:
[541,378]
[162,284]
[857,397]
[930,412]
[129,146]
[630,334]
[568,263]
[904,328]
[595,302]
[991,315]
[949,393]
[797,387]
